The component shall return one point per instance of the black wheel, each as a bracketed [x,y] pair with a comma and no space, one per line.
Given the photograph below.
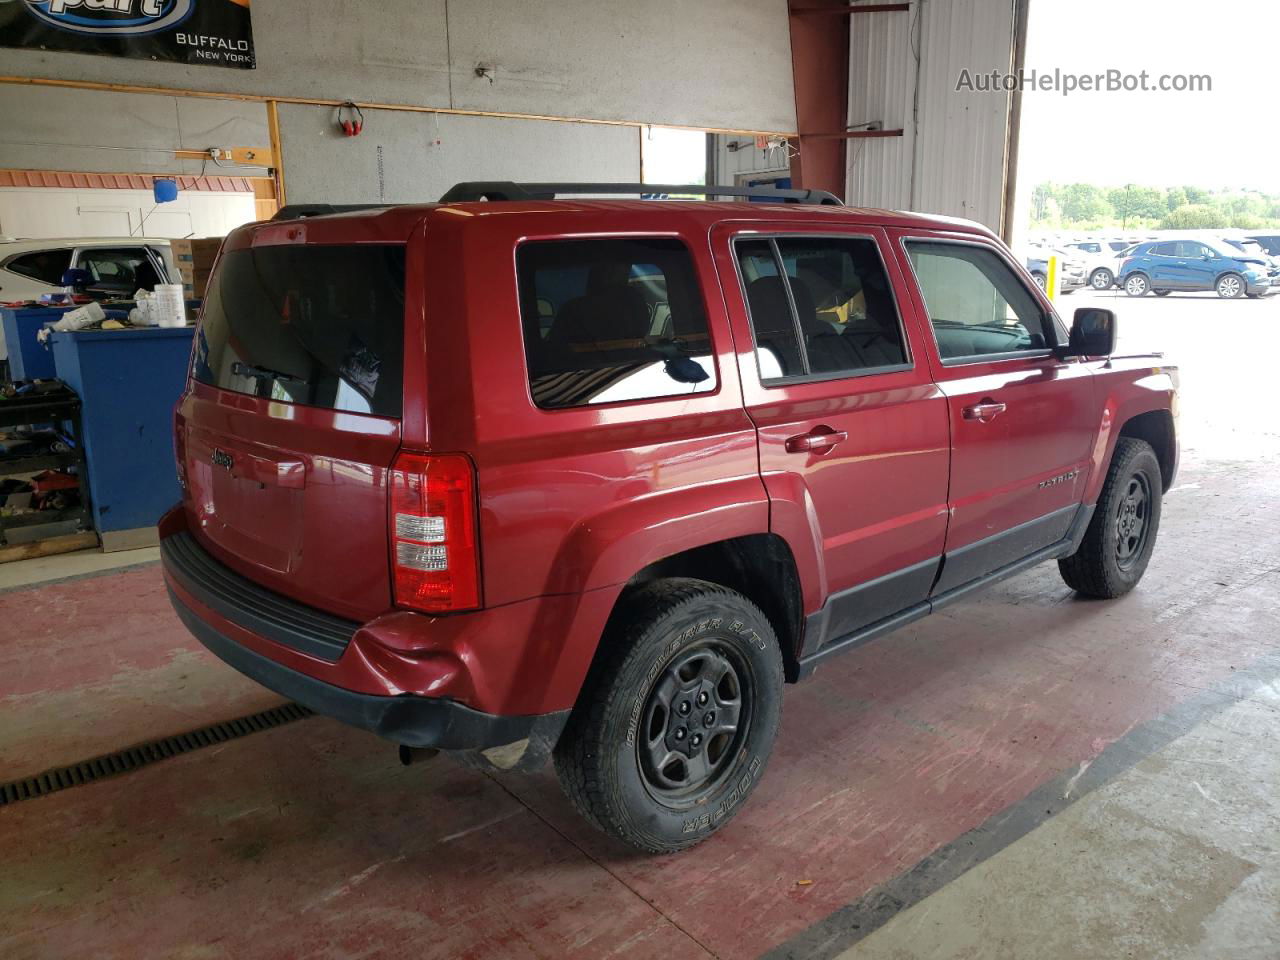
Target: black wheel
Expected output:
[677,720]
[1136,284]
[1162,293]
[1041,280]
[1102,279]
[1230,286]
[1118,544]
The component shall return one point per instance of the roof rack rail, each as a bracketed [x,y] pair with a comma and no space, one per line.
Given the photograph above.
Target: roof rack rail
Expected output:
[506,190]
[297,211]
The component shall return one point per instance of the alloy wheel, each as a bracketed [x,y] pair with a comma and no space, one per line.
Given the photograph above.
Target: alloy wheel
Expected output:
[1229,287]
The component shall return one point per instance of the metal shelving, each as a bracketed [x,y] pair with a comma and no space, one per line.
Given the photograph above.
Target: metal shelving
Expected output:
[56,406]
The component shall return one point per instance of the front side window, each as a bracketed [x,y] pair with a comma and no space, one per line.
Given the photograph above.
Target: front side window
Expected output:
[47,266]
[612,320]
[978,306]
[819,307]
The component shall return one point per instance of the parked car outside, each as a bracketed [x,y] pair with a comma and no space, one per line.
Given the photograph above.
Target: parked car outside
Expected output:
[116,266]
[590,480]
[1269,242]
[1071,269]
[1163,266]
[1101,261]
[1252,247]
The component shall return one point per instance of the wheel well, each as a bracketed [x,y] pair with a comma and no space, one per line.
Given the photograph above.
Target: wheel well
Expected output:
[760,567]
[1156,428]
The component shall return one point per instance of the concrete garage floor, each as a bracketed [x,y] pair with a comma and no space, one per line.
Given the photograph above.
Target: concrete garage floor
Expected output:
[1025,774]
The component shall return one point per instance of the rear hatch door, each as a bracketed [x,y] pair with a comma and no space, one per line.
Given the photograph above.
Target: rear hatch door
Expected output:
[292,419]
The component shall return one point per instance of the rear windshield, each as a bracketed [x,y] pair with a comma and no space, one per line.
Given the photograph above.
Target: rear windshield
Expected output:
[316,325]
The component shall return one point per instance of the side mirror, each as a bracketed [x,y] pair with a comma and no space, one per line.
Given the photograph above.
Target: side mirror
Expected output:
[1093,333]
[76,279]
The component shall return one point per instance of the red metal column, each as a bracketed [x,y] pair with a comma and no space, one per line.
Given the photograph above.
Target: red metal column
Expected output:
[820,68]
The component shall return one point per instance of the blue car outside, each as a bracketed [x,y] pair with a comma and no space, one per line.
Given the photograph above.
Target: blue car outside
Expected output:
[1162,266]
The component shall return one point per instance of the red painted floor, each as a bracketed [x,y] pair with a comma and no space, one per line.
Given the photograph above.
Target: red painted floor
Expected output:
[311,841]
[92,665]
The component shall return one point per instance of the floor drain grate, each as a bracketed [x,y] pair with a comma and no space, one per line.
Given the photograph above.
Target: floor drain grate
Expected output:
[132,758]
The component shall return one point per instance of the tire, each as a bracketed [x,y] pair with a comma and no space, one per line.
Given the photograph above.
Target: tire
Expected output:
[667,654]
[1162,293]
[1102,279]
[1114,553]
[1041,280]
[1230,286]
[1136,284]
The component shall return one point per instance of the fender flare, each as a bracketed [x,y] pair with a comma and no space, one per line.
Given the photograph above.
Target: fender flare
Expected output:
[1150,393]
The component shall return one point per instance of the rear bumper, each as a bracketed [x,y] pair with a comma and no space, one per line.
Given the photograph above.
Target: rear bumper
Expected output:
[413,721]
[503,676]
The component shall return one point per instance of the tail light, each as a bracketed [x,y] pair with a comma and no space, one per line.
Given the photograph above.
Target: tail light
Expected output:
[435,556]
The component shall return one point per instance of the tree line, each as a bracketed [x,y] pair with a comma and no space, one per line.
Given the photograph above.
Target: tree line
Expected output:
[1084,206]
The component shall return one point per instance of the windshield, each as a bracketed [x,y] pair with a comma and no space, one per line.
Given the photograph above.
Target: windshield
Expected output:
[316,325]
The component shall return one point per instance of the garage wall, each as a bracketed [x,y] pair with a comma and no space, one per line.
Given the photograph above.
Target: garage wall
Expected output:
[94,212]
[654,61]
[746,159]
[951,158]
[51,128]
[405,157]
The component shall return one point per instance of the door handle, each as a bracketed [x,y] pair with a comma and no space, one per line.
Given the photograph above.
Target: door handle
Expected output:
[817,440]
[986,411]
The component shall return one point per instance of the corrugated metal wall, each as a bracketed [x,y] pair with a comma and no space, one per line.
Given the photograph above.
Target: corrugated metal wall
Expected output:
[951,158]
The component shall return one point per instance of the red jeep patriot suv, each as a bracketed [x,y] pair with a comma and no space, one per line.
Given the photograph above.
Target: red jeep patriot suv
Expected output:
[519,476]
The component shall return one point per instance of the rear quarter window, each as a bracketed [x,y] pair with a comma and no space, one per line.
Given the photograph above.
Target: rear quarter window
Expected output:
[47,266]
[316,325]
[612,320]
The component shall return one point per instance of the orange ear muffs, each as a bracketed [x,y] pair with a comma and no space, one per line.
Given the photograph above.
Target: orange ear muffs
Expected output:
[351,127]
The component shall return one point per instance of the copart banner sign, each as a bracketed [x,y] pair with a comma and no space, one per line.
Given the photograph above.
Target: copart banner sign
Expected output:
[217,33]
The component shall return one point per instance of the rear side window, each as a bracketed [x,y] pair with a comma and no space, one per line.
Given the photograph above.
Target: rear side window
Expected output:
[978,306]
[819,307]
[316,325]
[47,266]
[612,320]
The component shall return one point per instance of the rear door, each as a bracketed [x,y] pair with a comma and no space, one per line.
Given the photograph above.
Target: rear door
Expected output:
[852,431]
[293,416]
[1167,269]
[1022,420]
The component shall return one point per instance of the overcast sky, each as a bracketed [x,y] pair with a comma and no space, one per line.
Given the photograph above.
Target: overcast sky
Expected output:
[1227,138]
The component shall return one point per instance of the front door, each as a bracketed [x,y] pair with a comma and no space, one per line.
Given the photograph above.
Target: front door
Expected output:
[1022,420]
[852,430]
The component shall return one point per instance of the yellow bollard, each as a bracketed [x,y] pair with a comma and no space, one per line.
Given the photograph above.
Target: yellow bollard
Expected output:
[1051,281]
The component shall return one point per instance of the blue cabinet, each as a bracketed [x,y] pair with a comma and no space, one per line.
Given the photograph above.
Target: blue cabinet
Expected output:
[128,382]
[28,358]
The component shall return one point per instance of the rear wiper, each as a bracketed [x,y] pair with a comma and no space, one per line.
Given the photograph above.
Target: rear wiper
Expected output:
[262,373]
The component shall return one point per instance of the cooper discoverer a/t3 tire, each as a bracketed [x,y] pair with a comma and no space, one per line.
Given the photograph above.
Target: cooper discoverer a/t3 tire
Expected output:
[678,717]
[1118,544]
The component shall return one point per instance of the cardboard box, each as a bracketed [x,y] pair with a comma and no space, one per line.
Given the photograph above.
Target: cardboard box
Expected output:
[194,259]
